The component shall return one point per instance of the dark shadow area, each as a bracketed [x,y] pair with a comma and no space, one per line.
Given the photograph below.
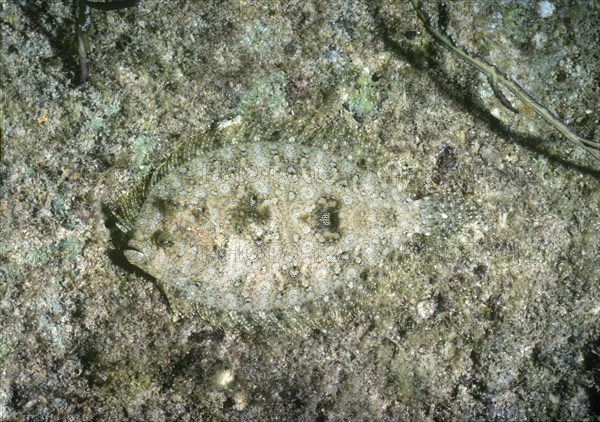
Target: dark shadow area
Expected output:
[64,36]
[60,35]
[465,98]
[591,360]
[118,239]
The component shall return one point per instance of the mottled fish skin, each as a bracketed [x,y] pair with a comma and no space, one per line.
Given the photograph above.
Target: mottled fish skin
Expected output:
[256,234]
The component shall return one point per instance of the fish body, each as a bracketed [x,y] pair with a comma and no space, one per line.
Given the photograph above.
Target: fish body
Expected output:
[256,233]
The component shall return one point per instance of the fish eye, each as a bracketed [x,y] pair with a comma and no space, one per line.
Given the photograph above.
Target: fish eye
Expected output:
[162,238]
[328,219]
[324,219]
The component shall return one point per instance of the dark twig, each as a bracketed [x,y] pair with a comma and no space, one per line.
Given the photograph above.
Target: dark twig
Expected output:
[112,5]
[81,12]
[496,77]
[82,22]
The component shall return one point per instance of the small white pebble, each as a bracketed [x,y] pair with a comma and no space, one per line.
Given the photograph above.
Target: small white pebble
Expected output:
[425,309]
[546,9]
[240,400]
[224,378]
[540,39]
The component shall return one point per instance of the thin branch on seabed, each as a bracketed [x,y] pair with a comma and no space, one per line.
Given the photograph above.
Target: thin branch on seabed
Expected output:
[82,23]
[495,77]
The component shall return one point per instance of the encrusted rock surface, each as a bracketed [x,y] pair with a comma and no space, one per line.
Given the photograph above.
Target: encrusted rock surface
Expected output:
[499,322]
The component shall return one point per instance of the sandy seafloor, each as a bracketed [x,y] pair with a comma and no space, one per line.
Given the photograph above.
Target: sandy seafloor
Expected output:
[499,323]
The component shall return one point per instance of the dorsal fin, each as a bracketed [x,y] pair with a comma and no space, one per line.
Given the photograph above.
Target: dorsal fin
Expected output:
[238,130]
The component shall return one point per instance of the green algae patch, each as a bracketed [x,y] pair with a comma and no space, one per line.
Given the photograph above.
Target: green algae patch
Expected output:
[142,146]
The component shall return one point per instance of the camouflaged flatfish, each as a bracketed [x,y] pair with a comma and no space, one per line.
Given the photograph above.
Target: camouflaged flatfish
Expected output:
[282,227]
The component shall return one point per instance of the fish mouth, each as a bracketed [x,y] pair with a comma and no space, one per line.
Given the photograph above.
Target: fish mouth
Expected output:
[134,252]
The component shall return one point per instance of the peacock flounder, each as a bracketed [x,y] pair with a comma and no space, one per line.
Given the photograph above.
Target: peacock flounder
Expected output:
[272,227]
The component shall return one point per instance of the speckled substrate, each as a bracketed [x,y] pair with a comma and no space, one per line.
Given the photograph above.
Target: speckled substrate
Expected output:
[499,322]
